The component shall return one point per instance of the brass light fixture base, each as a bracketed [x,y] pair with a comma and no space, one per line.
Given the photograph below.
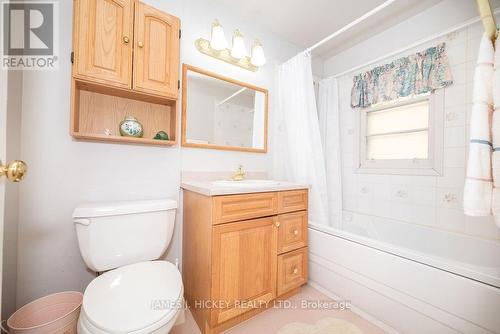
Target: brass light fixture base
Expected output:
[204,47]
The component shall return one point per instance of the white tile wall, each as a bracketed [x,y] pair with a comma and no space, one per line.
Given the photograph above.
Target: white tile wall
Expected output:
[434,201]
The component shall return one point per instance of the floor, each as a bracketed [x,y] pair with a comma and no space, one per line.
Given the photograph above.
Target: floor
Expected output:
[270,321]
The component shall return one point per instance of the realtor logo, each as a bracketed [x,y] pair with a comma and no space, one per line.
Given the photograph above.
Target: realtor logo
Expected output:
[29,35]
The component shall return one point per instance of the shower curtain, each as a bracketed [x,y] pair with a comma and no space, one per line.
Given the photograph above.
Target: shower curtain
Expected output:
[298,153]
[329,120]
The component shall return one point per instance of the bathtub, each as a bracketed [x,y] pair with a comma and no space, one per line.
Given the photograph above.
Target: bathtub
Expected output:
[408,278]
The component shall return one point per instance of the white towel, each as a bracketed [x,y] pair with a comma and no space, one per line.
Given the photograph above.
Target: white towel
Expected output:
[479,184]
[495,133]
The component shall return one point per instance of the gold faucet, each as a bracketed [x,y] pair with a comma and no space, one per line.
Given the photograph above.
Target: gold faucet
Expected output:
[239,175]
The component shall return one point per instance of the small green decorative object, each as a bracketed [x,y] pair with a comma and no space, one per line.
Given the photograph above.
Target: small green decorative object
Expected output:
[161,135]
[131,127]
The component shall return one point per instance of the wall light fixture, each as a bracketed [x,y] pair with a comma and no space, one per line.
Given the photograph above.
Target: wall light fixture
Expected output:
[217,47]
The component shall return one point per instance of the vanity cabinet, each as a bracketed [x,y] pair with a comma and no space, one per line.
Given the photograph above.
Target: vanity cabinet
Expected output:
[241,252]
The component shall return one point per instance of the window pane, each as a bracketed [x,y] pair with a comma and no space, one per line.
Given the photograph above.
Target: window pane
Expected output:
[403,118]
[413,145]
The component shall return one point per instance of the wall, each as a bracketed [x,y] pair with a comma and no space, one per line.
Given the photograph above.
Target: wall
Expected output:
[434,20]
[11,215]
[368,196]
[65,172]
[3,155]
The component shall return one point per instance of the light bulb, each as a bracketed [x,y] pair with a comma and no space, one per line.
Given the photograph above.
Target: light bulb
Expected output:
[218,40]
[258,57]
[239,50]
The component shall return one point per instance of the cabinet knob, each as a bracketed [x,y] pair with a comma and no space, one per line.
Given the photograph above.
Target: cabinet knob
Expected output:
[277,224]
[296,232]
[126,40]
[140,44]
[295,270]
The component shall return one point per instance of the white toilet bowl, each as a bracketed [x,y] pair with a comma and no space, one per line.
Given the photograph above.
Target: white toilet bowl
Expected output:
[142,298]
[135,294]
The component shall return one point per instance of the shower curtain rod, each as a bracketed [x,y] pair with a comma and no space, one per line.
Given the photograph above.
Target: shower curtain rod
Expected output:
[352,24]
[413,45]
[488,18]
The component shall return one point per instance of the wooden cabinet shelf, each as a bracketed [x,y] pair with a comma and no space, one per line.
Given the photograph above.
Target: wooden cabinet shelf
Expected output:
[98,109]
[119,139]
[126,63]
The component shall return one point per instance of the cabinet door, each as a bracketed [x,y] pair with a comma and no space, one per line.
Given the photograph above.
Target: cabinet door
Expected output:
[103,32]
[156,58]
[244,265]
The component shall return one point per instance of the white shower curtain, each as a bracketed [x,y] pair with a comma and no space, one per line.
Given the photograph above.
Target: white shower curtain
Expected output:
[298,153]
[329,121]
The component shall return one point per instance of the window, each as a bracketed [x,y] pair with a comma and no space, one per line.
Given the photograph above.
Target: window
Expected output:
[403,137]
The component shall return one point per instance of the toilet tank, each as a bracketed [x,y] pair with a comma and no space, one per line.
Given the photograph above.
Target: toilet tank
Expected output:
[114,234]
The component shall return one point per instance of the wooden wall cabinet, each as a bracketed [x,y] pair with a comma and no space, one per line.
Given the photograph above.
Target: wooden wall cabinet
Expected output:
[125,63]
[103,48]
[127,44]
[156,63]
[242,252]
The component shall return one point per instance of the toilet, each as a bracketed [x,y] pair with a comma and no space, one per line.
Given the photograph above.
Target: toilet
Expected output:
[136,293]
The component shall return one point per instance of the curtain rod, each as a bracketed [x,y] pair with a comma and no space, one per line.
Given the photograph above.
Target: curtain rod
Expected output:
[230,97]
[352,24]
[413,45]
[488,18]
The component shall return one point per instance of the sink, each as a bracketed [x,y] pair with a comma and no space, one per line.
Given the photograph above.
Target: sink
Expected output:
[245,183]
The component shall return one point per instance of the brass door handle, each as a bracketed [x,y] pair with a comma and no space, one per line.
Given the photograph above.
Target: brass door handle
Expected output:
[126,40]
[295,271]
[140,44]
[277,224]
[15,171]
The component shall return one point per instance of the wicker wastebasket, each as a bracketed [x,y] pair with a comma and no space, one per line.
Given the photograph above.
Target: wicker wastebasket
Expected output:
[53,314]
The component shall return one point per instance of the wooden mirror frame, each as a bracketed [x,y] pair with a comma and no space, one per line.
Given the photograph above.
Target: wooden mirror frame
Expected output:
[184,143]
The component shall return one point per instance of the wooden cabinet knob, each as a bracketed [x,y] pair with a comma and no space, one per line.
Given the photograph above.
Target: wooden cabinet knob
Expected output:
[140,44]
[295,270]
[277,224]
[126,40]
[296,232]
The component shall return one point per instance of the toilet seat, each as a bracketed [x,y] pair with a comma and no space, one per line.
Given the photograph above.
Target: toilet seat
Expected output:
[138,298]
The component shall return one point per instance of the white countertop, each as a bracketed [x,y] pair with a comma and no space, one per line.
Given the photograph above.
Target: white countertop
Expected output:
[208,188]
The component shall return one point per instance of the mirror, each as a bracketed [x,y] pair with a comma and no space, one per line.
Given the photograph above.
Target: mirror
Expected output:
[222,113]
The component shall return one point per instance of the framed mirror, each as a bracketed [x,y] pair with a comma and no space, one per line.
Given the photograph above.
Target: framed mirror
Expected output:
[222,113]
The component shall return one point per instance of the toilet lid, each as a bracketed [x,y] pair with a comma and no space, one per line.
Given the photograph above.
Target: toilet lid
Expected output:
[134,297]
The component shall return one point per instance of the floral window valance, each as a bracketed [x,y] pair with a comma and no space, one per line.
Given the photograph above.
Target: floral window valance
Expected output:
[417,74]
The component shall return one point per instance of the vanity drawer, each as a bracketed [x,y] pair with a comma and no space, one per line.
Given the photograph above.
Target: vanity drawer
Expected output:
[241,207]
[292,270]
[292,231]
[294,200]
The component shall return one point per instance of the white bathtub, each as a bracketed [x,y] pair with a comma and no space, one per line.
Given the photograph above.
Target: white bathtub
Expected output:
[414,279]
[469,256]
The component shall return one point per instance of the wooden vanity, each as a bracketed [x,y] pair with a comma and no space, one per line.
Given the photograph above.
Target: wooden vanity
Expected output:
[241,252]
